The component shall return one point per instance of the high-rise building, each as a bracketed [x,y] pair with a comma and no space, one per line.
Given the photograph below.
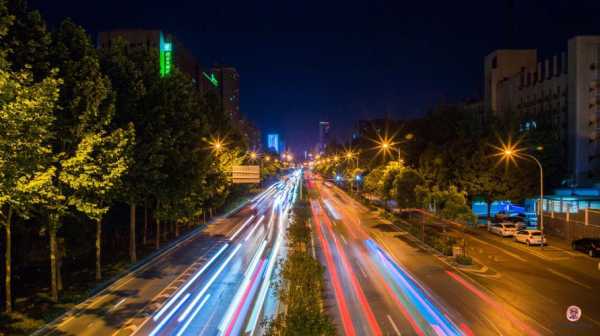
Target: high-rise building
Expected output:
[171,52]
[273,142]
[225,83]
[323,136]
[561,94]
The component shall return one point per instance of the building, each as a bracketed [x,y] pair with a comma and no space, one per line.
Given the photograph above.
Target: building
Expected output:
[225,83]
[562,94]
[273,142]
[170,50]
[323,136]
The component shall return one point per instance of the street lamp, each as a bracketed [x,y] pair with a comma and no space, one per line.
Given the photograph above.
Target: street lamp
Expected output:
[217,144]
[510,152]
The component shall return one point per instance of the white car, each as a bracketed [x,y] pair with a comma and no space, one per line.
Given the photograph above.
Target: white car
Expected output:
[530,237]
[503,229]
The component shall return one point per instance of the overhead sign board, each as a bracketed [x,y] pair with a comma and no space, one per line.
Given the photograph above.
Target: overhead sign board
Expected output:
[246,174]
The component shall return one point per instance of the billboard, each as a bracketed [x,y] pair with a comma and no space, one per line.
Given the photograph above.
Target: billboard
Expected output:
[246,174]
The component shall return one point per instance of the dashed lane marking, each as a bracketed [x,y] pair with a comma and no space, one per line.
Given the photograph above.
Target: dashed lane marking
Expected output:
[394,326]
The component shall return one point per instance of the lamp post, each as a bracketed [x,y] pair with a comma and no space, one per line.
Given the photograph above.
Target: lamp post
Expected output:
[510,153]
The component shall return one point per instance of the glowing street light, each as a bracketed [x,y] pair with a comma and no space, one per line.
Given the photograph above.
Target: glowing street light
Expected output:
[217,144]
[510,152]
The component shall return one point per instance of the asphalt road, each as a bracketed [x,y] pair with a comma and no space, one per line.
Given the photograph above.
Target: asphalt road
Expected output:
[408,290]
[216,282]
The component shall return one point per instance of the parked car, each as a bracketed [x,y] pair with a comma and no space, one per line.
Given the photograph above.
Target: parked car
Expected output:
[518,221]
[590,246]
[505,229]
[530,237]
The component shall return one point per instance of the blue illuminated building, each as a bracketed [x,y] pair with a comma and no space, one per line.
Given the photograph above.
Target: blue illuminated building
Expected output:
[273,143]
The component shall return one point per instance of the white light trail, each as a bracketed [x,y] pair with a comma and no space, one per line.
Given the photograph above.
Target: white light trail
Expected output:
[187,323]
[208,284]
[256,225]
[162,323]
[242,227]
[188,283]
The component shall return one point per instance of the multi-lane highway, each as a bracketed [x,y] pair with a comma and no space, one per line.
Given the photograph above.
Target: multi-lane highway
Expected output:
[216,282]
[382,285]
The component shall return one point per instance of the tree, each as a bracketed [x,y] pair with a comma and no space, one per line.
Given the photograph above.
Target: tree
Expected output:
[86,107]
[404,185]
[373,180]
[25,132]
[128,73]
[391,171]
[28,40]
[93,174]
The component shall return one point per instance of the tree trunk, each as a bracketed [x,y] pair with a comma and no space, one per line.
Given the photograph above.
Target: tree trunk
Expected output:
[157,242]
[145,222]
[132,254]
[176,229]
[53,264]
[8,263]
[60,245]
[98,249]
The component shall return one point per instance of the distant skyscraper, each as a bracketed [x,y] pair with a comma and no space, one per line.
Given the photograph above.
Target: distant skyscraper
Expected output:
[273,142]
[323,135]
[226,82]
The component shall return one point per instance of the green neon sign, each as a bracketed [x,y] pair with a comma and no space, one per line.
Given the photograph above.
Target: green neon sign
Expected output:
[166,59]
[212,79]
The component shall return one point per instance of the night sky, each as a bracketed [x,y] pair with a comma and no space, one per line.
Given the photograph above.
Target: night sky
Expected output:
[302,61]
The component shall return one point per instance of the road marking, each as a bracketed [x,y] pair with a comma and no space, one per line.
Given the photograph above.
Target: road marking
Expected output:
[118,304]
[516,256]
[394,326]
[569,278]
[492,324]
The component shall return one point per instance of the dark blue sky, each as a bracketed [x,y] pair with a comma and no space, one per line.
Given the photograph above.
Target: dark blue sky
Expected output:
[302,61]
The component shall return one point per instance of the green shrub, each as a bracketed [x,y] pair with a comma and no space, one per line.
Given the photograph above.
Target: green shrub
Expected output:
[464,260]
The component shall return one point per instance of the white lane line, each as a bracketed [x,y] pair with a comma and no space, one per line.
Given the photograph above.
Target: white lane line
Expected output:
[118,304]
[394,326]
[492,324]
[516,256]
[566,277]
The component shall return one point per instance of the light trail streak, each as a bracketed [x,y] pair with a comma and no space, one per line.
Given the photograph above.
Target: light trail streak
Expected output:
[416,294]
[162,323]
[262,293]
[188,283]
[337,287]
[332,211]
[208,284]
[495,304]
[256,225]
[187,323]
[364,303]
[243,299]
[241,228]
